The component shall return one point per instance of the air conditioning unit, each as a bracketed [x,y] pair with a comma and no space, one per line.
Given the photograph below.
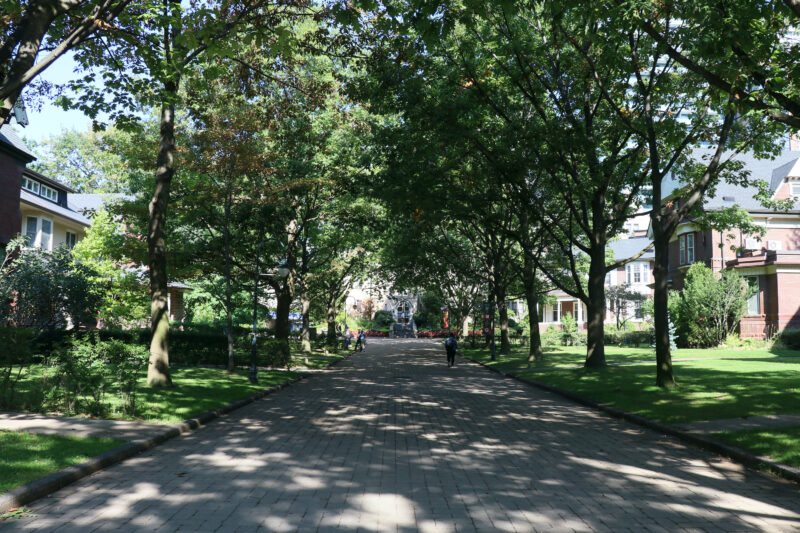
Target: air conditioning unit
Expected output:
[752,244]
[774,245]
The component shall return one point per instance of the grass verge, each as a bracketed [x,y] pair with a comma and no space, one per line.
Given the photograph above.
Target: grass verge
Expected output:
[781,444]
[561,356]
[196,391]
[27,456]
[708,390]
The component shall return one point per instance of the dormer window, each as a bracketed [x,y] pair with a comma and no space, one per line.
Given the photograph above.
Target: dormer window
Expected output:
[794,187]
[30,185]
[49,193]
[39,189]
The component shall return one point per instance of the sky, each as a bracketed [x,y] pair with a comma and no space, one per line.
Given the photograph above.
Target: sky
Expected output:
[51,120]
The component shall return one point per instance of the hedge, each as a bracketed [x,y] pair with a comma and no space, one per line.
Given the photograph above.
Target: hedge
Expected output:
[191,346]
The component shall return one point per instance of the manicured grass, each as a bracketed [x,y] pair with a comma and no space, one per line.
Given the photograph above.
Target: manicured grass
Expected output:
[196,391]
[26,456]
[555,356]
[708,390]
[782,444]
[314,361]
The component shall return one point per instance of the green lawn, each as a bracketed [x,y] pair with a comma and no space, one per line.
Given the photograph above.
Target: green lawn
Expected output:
[555,356]
[27,456]
[780,444]
[708,390]
[196,391]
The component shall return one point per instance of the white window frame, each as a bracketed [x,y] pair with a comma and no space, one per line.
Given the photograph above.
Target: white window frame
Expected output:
[645,273]
[32,238]
[794,189]
[30,185]
[689,249]
[36,242]
[48,193]
[41,233]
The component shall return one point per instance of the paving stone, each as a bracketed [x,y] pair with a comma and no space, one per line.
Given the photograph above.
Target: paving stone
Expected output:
[363,447]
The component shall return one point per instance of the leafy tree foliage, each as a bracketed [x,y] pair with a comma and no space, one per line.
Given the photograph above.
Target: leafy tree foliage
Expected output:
[46,290]
[708,308]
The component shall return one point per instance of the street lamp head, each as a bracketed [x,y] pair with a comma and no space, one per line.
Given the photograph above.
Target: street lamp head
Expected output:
[282,270]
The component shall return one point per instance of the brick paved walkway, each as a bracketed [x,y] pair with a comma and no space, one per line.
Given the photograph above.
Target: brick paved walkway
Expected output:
[393,440]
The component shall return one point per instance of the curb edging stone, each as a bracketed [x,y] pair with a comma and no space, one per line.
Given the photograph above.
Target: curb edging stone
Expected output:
[38,488]
[740,455]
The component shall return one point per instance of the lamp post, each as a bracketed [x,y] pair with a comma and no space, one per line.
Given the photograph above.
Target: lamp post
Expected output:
[281,272]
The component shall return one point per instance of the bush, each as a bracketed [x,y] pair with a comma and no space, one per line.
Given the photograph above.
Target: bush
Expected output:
[383,319]
[90,367]
[708,309]
[49,289]
[15,356]
[790,338]
[551,336]
[273,352]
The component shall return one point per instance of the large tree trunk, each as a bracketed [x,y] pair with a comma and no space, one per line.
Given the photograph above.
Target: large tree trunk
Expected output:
[502,312]
[331,336]
[596,309]
[532,299]
[158,374]
[306,336]
[228,291]
[282,325]
[664,374]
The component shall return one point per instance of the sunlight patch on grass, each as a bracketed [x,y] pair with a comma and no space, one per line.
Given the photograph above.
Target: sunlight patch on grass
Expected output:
[708,390]
[28,456]
[780,444]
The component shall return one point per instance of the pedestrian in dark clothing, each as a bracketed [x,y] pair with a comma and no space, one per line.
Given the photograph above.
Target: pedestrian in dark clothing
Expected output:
[451,346]
[358,347]
[363,340]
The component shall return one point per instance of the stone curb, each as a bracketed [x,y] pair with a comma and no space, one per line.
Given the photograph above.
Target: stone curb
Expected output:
[733,452]
[41,487]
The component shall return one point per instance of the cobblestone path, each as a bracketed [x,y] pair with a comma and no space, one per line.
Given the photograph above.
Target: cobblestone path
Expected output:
[393,440]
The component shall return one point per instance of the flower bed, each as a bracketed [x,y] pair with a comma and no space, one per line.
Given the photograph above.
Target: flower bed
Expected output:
[436,334]
[376,333]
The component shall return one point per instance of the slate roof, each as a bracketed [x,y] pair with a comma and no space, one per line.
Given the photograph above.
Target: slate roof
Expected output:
[47,205]
[88,203]
[11,142]
[773,171]
[625,248]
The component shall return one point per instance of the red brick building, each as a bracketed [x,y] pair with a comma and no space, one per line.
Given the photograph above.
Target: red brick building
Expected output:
[770,263]
[14,156]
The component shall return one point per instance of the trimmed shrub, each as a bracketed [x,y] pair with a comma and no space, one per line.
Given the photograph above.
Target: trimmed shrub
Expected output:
[790,338]
[15,356]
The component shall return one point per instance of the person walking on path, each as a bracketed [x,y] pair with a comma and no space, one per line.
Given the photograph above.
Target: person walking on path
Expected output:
[358,347]
[362,339]
[451,345]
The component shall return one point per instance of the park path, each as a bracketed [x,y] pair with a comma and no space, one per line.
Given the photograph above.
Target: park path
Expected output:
[393,440]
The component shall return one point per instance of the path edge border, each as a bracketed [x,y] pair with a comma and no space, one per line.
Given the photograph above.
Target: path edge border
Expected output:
[741,455]
[39,488]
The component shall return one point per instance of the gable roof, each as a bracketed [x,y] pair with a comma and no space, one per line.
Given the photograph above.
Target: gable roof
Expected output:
[625,248]
[13,145]
[772,171]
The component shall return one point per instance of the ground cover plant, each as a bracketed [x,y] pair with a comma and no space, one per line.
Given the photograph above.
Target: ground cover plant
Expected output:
[28,456]
[196,390]
[780,444]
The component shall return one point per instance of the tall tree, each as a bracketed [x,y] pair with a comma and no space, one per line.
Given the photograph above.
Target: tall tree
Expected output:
[149,52]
